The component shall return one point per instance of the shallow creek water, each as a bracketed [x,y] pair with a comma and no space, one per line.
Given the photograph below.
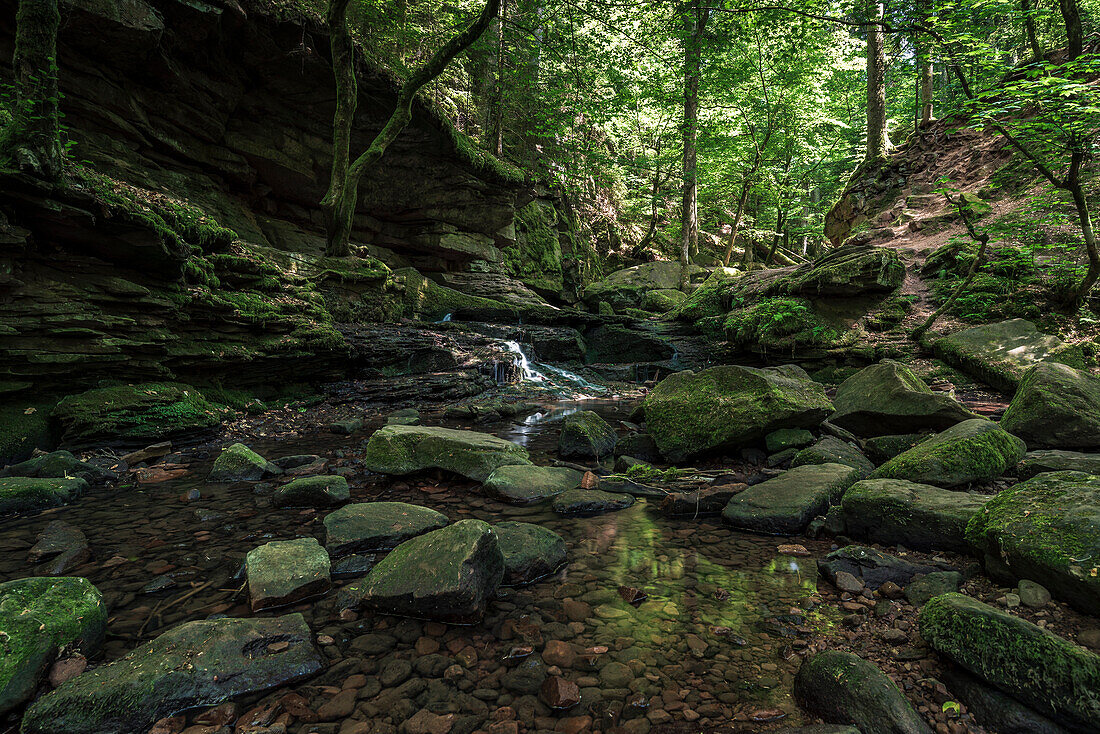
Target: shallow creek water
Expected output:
[712,643]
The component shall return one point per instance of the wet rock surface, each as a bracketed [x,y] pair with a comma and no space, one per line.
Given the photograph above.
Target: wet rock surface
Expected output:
[403,450]
[786,504]
[374,526]
[525,485]
[897,512]
[283,572]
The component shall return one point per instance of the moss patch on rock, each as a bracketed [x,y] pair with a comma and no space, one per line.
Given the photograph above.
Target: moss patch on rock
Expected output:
[975,450]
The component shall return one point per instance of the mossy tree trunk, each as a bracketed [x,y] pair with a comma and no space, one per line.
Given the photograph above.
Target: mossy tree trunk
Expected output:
[878,144]
[695,19]
[340,202]
[32,138]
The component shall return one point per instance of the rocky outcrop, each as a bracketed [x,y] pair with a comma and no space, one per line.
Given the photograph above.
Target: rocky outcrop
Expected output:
[1055,406]
[1000,353]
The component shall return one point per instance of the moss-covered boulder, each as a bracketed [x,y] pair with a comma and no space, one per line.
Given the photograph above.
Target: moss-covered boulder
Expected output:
[831,450]
[57,465]
[585,434]
[1031,664]
[919,516]
[843,688]
[374,526]
[30,494]
[238,463]
[887,398]
[530,552]
[285,572]
[404,450]
[197,664]
[1044,460]
[1046,529]
[37,618]
[691,413]
[1055,406]
[446,575]
[1000,353]
[321,491]
[590,502]
[135,415]
[528,484]
[881,449]
[851,270]
[25,426]
[972,451]
[785,505]
[627,288]
[662,300]
[873,568]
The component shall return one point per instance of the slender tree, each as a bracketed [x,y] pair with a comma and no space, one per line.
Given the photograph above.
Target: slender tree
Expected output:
[343,192]
[878,144]
[32,138]
[695,19]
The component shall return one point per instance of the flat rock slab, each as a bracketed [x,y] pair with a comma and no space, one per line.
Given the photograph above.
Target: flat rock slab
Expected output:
[530,552]
[831,450]
[1046,529]
[705,501]
[972,451]
[1035,666]
[785,505]
[374,526]
[446,575]
[918,516]
[1000,353]
[29,494]
[38,617]
[197,664]
[1044,460]
[322,491]
[59,465]
[590,502]
[874,568]
[1056,407]
[286,571]
[523,484]
[60,548]
[401,450]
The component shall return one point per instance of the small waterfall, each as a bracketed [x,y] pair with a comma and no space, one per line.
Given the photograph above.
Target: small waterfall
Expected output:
[529,373]
[545,374]
[446,319]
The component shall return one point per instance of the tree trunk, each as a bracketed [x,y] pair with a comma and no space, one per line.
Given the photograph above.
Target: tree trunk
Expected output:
[878,144]
[777,237]
[1075,35]
[341,199]
[737,222]
[495,136]
[32,139]
[1029,30]
[694,21]
[1082,290]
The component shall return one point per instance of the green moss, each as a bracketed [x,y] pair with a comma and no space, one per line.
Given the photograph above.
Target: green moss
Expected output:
[650,473]
[970,451]
[24,427]
[27,494]
[706,301]
[778,323]
[535,256]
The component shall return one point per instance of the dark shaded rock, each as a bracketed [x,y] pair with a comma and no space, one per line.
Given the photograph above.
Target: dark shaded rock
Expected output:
[527,677]
[59,465]
[590,502]
[372,526]
[785,505]
[61,548]
[627,288]
[996,710]
[27,494]
[881,449]
[1045,528]
[322,491]
[353,567]
[831,450]
[1055,406]
[38,617]
[197,664]
[729,406]
[640,446]
[1034,666]
[705,501]
[446,575]
[887,398]
[404,417]
[1000,353]
[238,463]
[614,344]
[530,552]
[972,451]
[585,434]
[528,484]
[286,571]
[872,567]
[407,449]
[788,438]
[1044,460]
[918,516]
[845,689]
[923,588]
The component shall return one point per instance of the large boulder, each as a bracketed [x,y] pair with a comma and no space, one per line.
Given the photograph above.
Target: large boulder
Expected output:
[627,288]
[918,516]
[887,398]
[1044,460]
[403,450]
[530,552]
[785,505]
[1031,664]
[238,463]
[725,407]
[38,617]
[527,484]
[996,710]
[972,451]
[585,434]
[843,688]
[134,415]
[196,664]
[851,270]
[873,568]
[1000,353]
[286,571]
[1055,406]
[321,491]
[831,450]
[374,526]
[446,575]
[1046,529]
[59,465]
[28,494]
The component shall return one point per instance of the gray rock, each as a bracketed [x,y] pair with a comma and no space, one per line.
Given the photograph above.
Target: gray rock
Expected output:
[59,465]
[1055,406]
[286,571]
[1000,353]
[788,438]
[918,516]
[872,567]
[530,552]
[585,434]
[972,451]
[404,450]
[1044,460]
[640,446]
[238,463]
[528,484]
[61,547]
[197,664]
[1033,595]
[590,502]
[881,449]
[923,588]
[994,709]
[785,505]
[831,450]
[322,491]
[373,526]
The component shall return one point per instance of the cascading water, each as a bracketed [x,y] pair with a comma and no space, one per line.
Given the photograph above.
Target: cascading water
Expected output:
[562,379]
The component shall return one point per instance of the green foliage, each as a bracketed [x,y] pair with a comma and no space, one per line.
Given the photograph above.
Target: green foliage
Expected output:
[778,322]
